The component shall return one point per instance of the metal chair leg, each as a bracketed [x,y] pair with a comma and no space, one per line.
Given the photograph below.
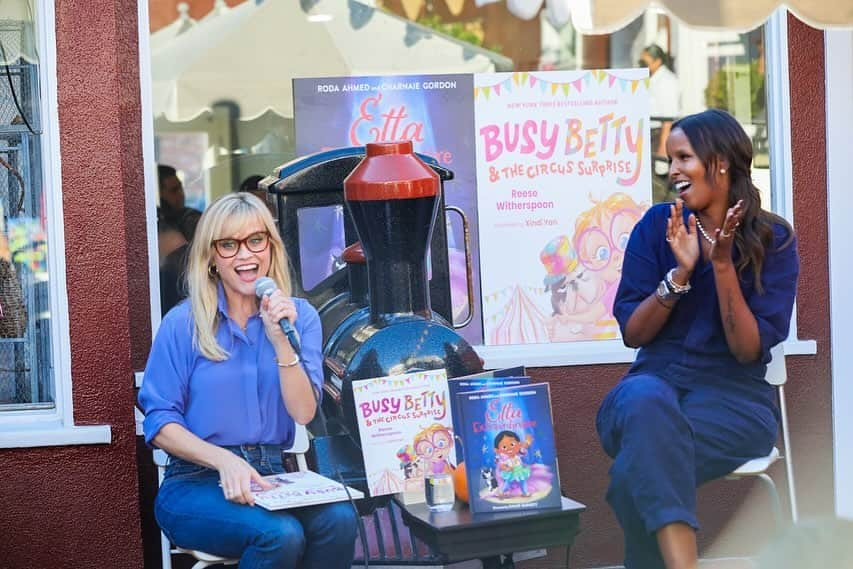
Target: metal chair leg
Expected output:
[774,498]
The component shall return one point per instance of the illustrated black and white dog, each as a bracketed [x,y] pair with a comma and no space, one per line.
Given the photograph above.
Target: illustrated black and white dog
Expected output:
[488,481]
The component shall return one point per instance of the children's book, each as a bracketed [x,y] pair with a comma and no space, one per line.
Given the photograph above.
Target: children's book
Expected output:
[485,380]
[509,449]
[405,428]
[297,489]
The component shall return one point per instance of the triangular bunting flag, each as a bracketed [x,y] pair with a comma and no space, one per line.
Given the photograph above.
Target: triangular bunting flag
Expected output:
[476,92]
[586,78]
[601,76]
[554,87]
[634,86]
[611,80]
[515,78]
[565,87]
[577,85]
[497,89]
[646,82]
[532,79]
[486,91]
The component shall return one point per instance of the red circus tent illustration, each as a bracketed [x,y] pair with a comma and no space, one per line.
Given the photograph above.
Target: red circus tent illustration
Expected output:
[523,322]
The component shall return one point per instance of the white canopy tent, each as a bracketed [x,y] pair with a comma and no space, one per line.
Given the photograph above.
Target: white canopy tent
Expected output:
[604,16]
[249,54]
[17,32]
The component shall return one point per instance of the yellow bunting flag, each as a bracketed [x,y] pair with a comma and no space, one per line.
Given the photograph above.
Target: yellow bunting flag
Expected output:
[412,8]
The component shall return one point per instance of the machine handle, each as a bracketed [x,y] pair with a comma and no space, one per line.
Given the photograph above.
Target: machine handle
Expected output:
[469,273]
[332,391]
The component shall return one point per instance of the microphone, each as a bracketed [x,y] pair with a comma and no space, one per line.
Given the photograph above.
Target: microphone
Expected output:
[265,286]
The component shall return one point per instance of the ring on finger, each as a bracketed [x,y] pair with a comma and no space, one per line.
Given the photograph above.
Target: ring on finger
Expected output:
[726,235]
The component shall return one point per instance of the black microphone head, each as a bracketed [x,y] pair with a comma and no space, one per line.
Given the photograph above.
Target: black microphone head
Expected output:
[265,286]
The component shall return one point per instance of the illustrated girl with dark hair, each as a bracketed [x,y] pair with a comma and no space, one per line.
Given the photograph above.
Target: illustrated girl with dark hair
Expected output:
[509,449]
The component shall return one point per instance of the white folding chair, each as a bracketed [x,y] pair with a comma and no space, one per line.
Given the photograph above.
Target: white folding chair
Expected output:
[776,375]
[299,448]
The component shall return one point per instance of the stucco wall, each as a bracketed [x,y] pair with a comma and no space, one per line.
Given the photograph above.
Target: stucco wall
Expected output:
[78,506]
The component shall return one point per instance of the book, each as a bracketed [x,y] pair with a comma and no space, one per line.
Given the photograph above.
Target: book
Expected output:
[509,449]
[298,489]
[405,428]
[492,379]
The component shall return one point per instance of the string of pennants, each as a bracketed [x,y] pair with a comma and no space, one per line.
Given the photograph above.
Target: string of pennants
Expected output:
[394,381]
[524,79]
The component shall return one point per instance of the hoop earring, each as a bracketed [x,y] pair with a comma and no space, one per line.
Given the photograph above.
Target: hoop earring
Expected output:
[212,271]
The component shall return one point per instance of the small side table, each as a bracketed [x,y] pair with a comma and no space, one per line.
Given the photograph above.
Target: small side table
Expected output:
[459,535]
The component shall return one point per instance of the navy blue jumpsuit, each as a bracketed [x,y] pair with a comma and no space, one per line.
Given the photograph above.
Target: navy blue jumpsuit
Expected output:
[687,412]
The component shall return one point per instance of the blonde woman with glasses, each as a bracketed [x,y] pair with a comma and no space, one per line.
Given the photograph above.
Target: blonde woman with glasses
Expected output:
[223,389]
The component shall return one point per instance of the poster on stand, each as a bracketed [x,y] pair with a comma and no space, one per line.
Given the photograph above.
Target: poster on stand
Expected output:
[563,174]
[435,112]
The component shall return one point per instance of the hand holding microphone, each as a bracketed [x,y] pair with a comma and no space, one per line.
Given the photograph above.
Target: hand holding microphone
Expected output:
[266,287]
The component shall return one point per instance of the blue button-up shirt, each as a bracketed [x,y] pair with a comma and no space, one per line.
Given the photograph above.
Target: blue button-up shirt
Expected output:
[692,346]
[232,402]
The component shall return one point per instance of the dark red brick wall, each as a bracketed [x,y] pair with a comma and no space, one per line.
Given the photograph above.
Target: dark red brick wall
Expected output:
[78,506]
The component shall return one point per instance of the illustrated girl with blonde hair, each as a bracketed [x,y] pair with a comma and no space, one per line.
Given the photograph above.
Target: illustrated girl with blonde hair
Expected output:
[601,237]
[433,446]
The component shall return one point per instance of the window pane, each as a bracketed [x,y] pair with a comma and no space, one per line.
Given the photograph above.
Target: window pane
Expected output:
[25,355]
[691,71]
[321,243]
[239,93]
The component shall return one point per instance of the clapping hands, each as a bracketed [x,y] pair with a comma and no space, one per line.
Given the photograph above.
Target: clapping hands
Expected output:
[682,238]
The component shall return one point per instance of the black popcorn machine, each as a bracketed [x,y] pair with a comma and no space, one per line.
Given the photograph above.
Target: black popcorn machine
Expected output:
[359,226]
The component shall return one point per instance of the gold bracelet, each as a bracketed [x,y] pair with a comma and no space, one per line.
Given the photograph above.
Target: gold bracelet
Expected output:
[288,364]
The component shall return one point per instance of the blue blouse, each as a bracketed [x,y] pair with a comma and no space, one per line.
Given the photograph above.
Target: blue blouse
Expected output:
[232,402]
[691,347]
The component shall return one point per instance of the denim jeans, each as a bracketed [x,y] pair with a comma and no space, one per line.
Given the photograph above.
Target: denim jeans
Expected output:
[194,514]
[665,442]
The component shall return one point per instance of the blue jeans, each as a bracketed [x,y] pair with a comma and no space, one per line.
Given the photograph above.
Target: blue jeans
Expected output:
[194,514]
[665,442]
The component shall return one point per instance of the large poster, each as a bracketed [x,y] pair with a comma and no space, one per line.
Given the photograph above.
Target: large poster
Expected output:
[436,112]
[563,174]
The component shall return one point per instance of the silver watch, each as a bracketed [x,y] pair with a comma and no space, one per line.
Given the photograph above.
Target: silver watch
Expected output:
[664,293]
[674,287]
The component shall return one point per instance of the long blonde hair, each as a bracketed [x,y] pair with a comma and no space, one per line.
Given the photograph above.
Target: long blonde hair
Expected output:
[227,213]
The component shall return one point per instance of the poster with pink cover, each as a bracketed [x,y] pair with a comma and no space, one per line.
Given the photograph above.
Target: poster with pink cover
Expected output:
[563,174]
[405,428]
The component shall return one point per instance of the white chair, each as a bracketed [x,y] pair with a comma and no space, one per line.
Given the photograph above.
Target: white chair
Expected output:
[299,448]
[776,375]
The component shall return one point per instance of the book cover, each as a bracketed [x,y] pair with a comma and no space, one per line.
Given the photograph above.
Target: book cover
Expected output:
[297,489]
[509,449]
[405,427]
[493,379]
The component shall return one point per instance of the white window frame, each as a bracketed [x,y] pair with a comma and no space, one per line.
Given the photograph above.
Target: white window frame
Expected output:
[839,94]
[49,427]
